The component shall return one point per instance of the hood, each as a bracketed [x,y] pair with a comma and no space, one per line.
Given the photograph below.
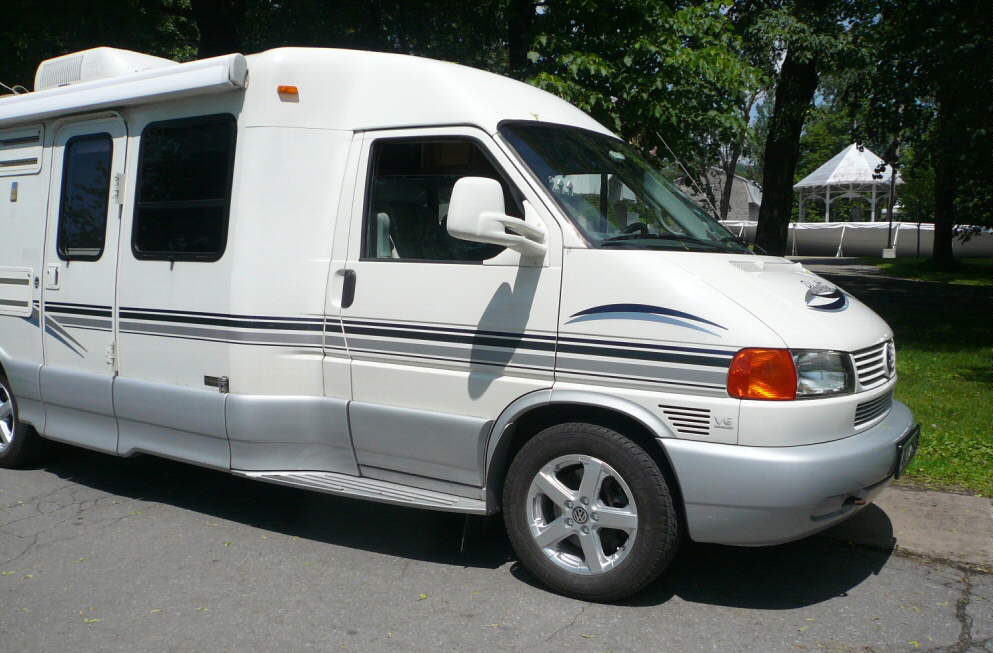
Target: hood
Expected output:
[805,310]
[642,296]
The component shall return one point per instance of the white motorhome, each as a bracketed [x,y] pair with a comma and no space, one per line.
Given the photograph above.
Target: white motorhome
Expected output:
[413,282]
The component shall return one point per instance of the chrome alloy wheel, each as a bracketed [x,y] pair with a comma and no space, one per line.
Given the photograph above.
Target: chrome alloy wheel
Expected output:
[7,421]
[582,514]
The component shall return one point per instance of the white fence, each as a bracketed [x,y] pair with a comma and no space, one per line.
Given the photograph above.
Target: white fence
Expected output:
[866,238]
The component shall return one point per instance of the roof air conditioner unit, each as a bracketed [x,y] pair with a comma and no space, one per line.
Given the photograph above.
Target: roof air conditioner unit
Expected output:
[88,65]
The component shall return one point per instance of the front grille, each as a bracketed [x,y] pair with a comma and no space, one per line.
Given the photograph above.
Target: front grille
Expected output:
[870,365]
[690,421]
[870,410]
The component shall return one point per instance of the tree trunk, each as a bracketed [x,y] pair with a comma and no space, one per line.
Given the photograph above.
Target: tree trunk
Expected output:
[729,168]
[945,184]
[794,93]
[219,23]
[730,163]
[520,19]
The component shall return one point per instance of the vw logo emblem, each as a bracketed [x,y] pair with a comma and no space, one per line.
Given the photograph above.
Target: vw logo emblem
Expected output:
[820,289]
[824,297]
[579,515]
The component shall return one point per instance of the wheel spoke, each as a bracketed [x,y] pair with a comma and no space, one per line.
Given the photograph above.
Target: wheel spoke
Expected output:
[552,488]
[554,533]
[592,477]
[592,551]
[622,519]
[6,410]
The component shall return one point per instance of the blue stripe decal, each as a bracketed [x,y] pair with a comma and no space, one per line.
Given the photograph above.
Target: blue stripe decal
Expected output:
[644,309]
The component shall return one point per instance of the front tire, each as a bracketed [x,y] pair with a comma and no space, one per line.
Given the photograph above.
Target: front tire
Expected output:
[20,444]
[589,512]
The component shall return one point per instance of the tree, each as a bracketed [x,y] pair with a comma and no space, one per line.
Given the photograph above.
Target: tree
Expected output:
[927,84]
[39,33]
[730,152]
[807,36]
[661,75]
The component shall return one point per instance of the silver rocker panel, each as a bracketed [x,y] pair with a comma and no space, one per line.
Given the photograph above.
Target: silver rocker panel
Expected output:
[371,489]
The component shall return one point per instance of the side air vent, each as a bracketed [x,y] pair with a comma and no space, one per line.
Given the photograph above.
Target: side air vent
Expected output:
[870,410]
[688,421]
[20,151]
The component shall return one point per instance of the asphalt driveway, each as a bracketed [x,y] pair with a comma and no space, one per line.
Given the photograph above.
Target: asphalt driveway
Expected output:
[101,553]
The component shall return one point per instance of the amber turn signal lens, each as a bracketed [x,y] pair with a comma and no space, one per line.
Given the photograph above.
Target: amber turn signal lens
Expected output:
[285,89]
[762,374]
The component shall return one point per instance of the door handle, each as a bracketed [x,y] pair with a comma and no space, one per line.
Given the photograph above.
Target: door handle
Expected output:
[347,288]
[53,276]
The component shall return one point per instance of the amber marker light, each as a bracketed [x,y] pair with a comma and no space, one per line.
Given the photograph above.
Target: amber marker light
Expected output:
[768,374]
[286,90]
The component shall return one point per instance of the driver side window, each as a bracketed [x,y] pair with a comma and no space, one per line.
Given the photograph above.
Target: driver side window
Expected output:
[410,184]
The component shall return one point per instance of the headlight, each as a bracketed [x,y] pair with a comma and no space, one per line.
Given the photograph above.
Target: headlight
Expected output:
[823,373]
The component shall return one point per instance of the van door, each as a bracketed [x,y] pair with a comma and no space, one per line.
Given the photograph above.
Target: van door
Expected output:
[78,283]
[442,333]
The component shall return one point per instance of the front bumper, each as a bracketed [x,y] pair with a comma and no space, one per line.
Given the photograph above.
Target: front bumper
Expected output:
[755,496]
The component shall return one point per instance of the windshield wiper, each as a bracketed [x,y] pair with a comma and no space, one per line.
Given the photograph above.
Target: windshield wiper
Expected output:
[622,238]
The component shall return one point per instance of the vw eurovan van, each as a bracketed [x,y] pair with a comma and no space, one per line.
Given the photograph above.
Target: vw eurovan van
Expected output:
[413,282]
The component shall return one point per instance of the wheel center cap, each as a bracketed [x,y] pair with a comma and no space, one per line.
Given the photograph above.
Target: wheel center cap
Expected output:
[579,515]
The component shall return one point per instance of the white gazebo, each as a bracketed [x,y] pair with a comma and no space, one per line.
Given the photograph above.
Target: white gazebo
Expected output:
[850,173]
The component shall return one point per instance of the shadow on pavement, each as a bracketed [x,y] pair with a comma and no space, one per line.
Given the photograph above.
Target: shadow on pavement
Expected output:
[783,577]
[425,535]
[772,578]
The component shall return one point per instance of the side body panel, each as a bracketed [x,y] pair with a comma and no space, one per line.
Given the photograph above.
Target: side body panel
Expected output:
[440,348]
[163,356]
[78,293]
[253,318]
[23,216]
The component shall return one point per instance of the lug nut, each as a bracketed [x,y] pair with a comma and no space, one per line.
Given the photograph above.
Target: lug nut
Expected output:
[594,517]
[586,501]
[568,522]
[568,504]
[586,529]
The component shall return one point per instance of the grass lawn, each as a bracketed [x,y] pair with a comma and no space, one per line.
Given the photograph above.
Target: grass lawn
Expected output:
[951,394]
[970,271]
[944,332]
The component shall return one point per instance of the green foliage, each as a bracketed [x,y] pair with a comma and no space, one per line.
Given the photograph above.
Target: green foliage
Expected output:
[827,131]
[38,32]
[647,70]
[468,33]
[916,195]
[926,81]
[943,334]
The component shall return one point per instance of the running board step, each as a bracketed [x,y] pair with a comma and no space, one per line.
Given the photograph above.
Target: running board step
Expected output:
[371,489]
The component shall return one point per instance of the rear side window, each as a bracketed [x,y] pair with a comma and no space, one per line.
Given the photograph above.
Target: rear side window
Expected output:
[85,197]
[184,189]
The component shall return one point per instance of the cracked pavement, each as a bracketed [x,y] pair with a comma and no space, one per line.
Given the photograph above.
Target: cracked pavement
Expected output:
[105,554]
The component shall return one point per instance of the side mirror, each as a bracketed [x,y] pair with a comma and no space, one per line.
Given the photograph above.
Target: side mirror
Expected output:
[476,213]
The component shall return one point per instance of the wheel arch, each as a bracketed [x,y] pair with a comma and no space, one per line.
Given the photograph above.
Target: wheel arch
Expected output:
[533,412]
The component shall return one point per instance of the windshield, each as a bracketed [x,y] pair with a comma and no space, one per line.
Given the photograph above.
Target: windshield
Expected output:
[613,195]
